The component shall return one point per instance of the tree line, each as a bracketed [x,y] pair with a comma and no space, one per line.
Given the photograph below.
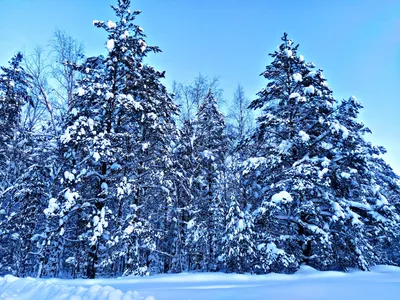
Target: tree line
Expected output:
[104,172]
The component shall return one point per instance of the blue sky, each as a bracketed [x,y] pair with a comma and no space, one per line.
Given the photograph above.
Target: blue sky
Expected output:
[355,42]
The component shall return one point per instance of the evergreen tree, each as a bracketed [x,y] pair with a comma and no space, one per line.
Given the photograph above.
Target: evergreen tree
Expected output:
[117,145]
[238,249]
[210,145]
[110,186]
[366,188]
[294,145]
[17,219]
[186,165]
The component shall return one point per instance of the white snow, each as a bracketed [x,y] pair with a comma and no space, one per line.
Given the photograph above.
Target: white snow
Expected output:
[74,111]
[338,211]
[110,45]
[128,230]
[381,283]
[336,127]
[70,198]
[271,247]
[284,146]
[111,25]
[301,58]
[81,91]
[96,220]
[322,172]
[312,74]
[104,187]
[145,146]
[90,123]
[253,163]
[142,45]
[288,52]
[207,154]
[136,105]
[53,206]
[69,176]
[345,132]
[282,196]
[353,98]
[96,156]
[345,175]
[190,224]
[297,77]
[326,145]
[240,226]
[109,95]
[294,95]
[152,116]
[325,162]
[115,167]
[304,136]
[309,90]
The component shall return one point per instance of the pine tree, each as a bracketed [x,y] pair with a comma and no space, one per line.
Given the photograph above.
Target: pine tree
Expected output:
[186,164]
[366,188]
[296,105]
[17,219]
[117,145]
[210,145]
[294,145]
[238,249]
[14,83]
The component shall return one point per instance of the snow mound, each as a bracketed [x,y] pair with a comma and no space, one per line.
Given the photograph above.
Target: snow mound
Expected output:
[29,288]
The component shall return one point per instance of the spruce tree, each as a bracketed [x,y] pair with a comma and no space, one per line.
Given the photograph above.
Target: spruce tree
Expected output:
[210,144]
[297,144]
[18,220]
[117,147]
[367,190]
[238,248]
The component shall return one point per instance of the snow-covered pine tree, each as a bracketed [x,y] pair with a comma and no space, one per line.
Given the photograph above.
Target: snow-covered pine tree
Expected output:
[286,165]
[367,190]
[19,207]
[301,209]
[117,149]
[206,226]
[186,165]
[13,96]
[238,241]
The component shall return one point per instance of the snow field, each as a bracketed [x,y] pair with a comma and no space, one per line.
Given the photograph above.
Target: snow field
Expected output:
[383,282]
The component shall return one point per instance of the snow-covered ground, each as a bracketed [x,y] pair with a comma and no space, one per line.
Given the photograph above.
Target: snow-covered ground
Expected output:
[383,282]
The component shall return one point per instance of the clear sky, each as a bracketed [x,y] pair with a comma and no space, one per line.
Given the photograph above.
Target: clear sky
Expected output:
[355,42]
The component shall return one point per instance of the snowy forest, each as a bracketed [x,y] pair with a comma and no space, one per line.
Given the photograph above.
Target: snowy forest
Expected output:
[105,172]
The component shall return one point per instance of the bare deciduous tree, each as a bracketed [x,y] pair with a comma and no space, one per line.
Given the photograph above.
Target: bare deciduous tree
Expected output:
[65,49]
[39,68]
[190,95]
[240,114]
